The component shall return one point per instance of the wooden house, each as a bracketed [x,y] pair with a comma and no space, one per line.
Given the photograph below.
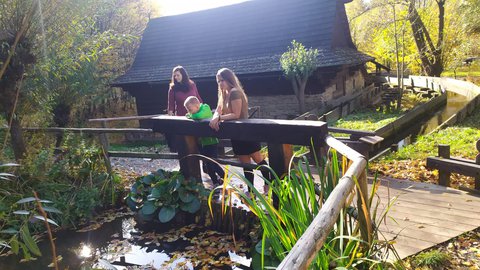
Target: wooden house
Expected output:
[248,38]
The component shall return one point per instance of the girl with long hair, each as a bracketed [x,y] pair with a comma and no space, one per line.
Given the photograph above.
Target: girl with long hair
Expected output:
[181,87]
[232,105]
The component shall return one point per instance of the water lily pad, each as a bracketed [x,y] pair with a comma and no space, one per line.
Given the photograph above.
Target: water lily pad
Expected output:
[166,214]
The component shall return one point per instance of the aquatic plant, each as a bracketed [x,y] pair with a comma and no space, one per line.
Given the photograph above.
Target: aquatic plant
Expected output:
[300,197]
[165,192]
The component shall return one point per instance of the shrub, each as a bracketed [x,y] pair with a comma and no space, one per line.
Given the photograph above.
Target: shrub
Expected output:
[164,193]
[300,197]
[433,258]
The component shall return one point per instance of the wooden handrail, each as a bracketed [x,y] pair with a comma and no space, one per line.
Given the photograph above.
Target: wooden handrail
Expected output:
[123,118]
[308,245]
[258,130]
[86,130]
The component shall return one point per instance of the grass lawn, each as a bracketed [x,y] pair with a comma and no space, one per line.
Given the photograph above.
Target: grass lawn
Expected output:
[410,161]
[371,119]
[461,73]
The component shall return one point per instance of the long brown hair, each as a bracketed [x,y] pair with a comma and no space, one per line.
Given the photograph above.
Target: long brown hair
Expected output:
[184,85]
[232,80]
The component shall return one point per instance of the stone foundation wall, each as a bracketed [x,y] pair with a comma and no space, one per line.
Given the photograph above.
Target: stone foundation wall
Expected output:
[286,106]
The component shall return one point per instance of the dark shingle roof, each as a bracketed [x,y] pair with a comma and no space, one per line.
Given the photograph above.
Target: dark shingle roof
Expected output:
[248,38]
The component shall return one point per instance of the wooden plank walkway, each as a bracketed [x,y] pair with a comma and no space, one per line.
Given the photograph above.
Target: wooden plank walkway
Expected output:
[424,215]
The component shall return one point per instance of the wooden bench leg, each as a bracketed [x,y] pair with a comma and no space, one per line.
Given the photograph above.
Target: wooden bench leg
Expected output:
[444,177]
[189,165]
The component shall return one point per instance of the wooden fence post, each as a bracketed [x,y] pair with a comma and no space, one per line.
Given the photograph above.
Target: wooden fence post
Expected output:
[105,145]
[189,165]
[364,218]
[477,160]
[443,176]
[279,156]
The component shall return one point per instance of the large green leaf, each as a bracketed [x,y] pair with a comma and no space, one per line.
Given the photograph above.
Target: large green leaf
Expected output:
[131,204]
[160,174]
[166,214]
[157,192]
[174,185]
[149,208]
[51,209]
[9,231]
[148,179]
[192,206]
[14,244]
[29,241]
[43,219]
[21,212]
[185,195]
[25,200]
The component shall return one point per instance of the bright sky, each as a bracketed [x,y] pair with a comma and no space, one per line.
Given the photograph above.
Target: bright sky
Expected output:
[173,7]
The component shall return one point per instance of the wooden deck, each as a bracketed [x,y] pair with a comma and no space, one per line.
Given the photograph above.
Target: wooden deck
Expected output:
[424,215]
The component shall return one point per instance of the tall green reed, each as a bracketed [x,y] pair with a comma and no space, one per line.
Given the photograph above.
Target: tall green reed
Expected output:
[301,195]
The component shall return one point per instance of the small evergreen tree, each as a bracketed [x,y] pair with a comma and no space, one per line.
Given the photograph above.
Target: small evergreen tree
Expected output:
[298,63]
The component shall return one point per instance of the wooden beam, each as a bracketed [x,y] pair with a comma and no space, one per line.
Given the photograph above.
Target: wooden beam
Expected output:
[136,117]
[257,130]
[449,165]
[87,130]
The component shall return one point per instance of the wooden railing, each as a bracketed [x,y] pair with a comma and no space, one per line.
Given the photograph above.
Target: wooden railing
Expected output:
[308,245]
[447,165]
[279,136]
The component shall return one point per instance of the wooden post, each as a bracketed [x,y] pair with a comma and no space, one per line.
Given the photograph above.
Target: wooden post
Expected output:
[279,156]
[394,147]
[105,145]
[477,160]
[364,219]
[443,176]
[189,165]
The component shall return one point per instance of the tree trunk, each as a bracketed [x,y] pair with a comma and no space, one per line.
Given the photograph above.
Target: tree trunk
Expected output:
[301,101]
[16,136]
[301,95]
[430,55]
[61,117]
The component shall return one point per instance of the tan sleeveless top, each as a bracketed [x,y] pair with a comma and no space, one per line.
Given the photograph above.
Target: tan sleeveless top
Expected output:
[227,104]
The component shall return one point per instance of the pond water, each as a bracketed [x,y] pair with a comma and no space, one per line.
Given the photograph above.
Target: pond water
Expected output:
[455,102]
[119,243]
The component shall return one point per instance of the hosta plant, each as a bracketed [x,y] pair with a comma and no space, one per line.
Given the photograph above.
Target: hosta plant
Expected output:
[164,194]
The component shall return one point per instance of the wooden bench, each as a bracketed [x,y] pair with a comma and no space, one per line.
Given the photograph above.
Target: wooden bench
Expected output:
[447,165]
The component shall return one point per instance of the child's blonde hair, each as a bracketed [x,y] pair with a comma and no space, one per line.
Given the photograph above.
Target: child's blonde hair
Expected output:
[191,100]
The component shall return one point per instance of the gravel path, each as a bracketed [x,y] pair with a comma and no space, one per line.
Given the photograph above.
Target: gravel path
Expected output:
[142,166]
[134,167]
